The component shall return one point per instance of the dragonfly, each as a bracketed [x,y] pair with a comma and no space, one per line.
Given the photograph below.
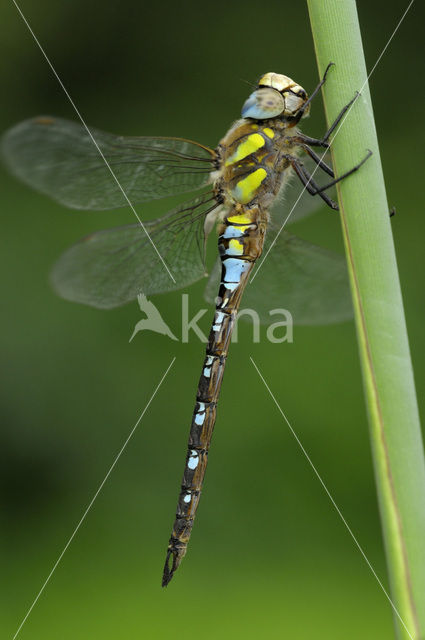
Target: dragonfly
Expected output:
[238,187]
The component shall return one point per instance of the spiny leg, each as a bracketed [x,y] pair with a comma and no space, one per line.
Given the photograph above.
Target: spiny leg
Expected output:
[314,189]
[324,142]
[339,117]
[342,176]
[315,92]
[302,138]
[318,160]
[311,186]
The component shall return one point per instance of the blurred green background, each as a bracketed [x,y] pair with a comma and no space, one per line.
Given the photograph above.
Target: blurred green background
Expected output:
[269,556]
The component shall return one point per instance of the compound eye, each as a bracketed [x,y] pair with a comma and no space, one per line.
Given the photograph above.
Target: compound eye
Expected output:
[263,104]
[293,104]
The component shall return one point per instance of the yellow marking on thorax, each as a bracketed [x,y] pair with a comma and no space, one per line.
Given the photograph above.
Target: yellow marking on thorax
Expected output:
[245,189]
[252,143]
[269,132]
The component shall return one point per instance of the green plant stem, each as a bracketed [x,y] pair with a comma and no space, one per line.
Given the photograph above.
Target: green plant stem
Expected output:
[384,350]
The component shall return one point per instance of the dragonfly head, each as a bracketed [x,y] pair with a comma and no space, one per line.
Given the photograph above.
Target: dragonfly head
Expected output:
[276,96]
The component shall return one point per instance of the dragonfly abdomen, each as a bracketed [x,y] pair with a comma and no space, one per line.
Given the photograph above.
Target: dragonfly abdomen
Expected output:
[241,237]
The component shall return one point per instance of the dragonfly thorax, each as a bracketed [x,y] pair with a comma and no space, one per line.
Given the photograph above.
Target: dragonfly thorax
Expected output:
[252,161]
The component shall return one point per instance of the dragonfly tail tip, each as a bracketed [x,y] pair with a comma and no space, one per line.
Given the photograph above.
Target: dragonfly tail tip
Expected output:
[169,570]
[166,579]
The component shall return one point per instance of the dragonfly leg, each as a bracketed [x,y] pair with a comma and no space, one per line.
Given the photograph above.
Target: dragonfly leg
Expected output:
[324,141]
[342,176]
[339,117]
[301,139]
[318,160]
[315,92]
[311,186]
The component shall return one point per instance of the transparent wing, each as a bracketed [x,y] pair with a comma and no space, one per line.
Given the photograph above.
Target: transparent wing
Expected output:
[307,280]
[294,202]
[59,158]
[111,267]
